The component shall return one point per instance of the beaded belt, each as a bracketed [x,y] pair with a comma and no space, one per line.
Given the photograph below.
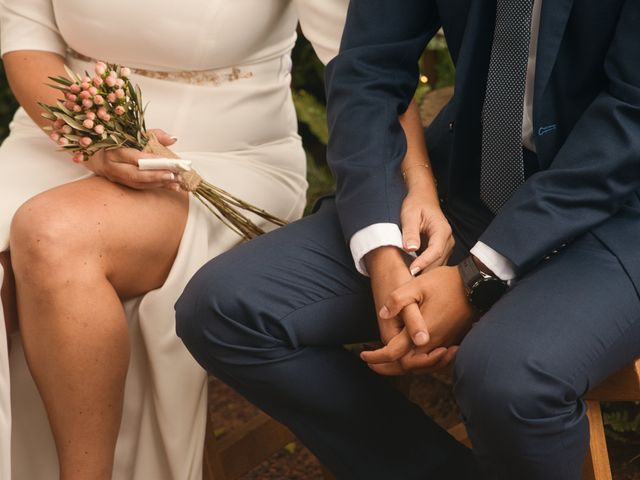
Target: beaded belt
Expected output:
[198,77]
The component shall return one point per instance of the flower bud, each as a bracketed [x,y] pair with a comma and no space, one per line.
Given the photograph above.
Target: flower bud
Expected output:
[87,103]
[66,129]
[113,74]
[93,91]
[63,141]
[86,79]
[85,85]
[120,82]
[106,118]
[85,141]
[91,115]
[69,105]
[84,95]
[125,72]
[88,124]
[111,97]
[99,129]
[110,81]
[120,93]
[97,81]
[101,68]
[98,100]
[102,112]
[54,136]
[119,110]
[71,97]
[77,108]
[58,124]
[78,157]
[75,88]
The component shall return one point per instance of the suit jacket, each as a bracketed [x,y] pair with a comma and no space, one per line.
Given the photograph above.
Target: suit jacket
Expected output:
[586,120]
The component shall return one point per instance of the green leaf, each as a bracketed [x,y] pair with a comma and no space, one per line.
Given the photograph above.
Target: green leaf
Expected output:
[71,122]
[72,75]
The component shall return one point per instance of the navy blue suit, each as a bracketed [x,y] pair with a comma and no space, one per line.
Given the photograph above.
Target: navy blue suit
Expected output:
[269,317]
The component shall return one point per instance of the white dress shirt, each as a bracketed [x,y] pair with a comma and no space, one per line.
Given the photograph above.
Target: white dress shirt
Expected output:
[388,234]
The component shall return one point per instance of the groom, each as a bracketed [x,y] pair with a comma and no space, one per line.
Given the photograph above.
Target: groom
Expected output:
[537,158]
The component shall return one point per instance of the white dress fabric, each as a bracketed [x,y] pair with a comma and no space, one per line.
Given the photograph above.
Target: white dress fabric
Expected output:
[239,130]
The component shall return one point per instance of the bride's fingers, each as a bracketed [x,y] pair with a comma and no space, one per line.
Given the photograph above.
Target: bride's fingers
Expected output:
[163,137]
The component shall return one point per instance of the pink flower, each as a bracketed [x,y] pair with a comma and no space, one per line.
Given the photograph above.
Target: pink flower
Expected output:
[120,93]
[106,118]
[87,103]
[93,91]
[102,112]
[111,97]
[91,115]
[125,72]
[54,136]
[85,85]
[58,124]
[86,79]
[98,100]
[78,157]
[71,97]
[99,129]
[75,88]
[69,105]
[85,142]
[77,108]
[63,141]
[110,81]
[88,124]
[67,130]
[101,68]
[97,81]
[113,74]
[84,95]
[119,110]
[120,82]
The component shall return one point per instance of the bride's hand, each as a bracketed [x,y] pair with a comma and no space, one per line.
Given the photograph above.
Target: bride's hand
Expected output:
[121,166]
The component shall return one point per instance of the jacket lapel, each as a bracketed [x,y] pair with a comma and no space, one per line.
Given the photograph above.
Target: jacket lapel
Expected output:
[553,22]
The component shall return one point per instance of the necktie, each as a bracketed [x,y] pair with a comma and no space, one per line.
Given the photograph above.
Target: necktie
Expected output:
[502,168]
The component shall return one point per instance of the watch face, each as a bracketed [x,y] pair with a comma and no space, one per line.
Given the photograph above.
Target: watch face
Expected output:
[486,292]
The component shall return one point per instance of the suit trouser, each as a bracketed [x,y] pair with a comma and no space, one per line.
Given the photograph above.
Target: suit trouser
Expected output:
[270,318]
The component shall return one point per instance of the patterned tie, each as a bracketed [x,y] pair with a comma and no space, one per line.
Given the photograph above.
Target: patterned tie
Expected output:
[502,169]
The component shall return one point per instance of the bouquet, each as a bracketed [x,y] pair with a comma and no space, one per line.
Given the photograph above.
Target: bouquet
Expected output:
[105,111]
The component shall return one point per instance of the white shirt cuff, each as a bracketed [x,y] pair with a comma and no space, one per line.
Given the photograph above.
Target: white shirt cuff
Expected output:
[503,268]
[372,237]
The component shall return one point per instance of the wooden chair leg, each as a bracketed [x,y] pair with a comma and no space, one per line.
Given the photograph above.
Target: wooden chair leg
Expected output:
[597,466]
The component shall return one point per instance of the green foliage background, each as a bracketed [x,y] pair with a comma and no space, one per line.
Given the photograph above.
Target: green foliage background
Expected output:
[622,419]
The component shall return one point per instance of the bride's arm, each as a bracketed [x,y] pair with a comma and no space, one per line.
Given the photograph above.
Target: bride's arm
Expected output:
[28,72]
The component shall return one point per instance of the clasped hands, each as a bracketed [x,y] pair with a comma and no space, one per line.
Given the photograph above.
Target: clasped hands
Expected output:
[422,319]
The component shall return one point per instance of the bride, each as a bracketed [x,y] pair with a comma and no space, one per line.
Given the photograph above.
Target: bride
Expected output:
[100,386]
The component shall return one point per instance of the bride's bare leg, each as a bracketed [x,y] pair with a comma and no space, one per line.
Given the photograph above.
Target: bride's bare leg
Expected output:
[77,251]
[8,294]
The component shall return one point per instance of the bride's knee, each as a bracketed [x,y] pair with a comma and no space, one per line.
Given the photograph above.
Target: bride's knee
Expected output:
[44,236]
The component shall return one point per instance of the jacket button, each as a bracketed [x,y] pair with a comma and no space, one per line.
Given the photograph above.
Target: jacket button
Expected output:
[451,125]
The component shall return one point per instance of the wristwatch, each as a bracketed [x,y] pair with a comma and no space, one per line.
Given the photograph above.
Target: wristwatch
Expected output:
[483,290]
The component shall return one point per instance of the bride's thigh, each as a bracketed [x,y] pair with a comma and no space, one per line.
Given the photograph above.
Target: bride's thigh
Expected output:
[130,236]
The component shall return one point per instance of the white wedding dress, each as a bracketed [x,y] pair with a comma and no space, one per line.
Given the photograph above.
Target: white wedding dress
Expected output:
[236,123]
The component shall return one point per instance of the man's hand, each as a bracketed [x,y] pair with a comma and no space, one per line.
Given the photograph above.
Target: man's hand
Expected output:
[438,297]
[403,333]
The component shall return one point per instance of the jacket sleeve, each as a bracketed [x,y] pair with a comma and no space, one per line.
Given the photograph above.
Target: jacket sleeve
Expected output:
[594,174]
[369,84]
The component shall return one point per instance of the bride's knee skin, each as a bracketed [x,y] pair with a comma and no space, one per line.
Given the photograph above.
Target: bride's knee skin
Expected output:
[8,294]
[48,242]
